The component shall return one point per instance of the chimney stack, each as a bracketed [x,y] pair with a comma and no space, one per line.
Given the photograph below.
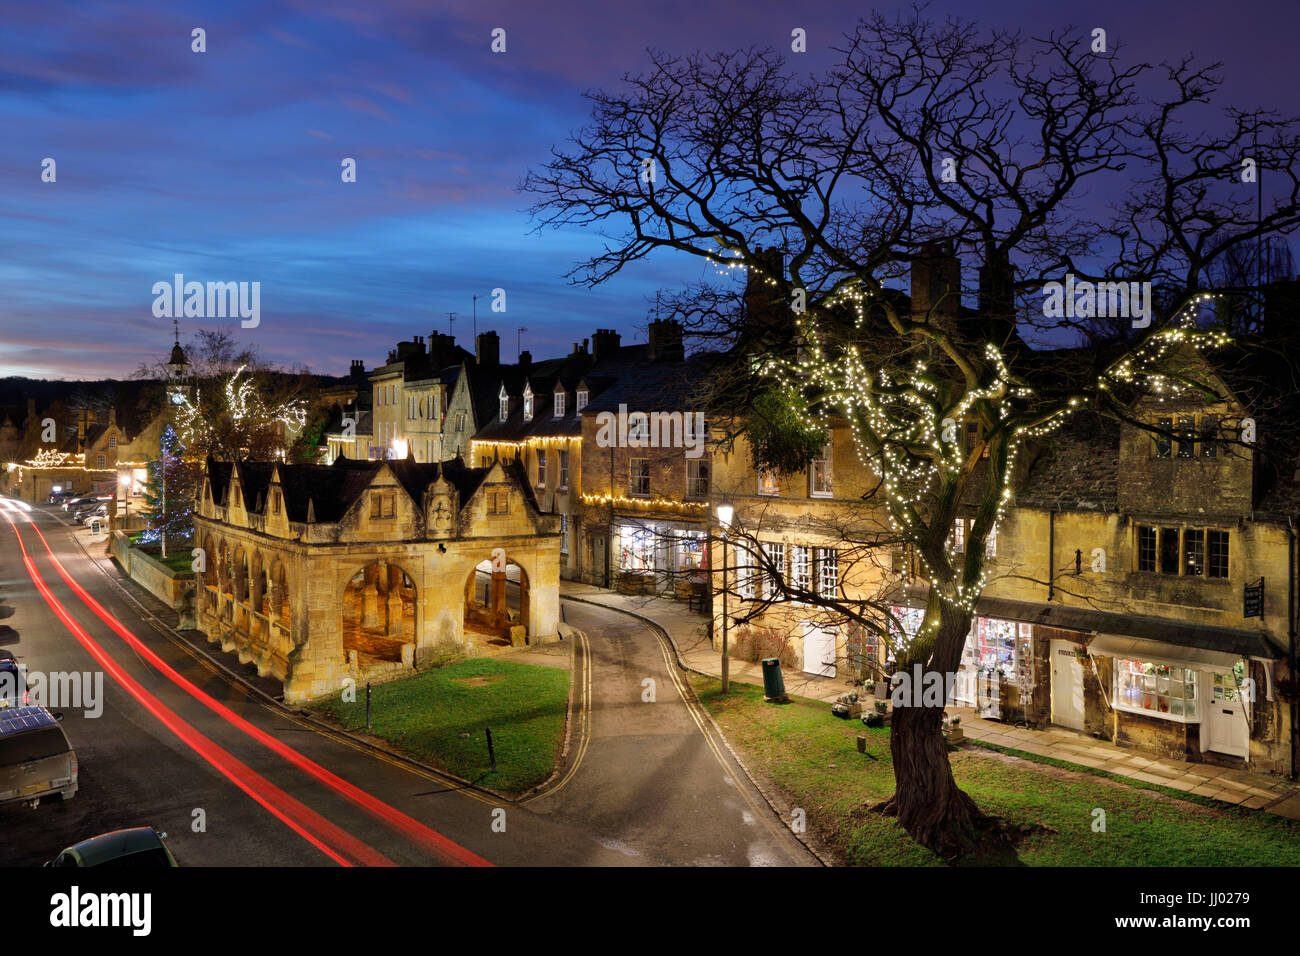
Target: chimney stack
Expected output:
[604,344]
[936,284]
[487,350]
[666,341]
[525,360]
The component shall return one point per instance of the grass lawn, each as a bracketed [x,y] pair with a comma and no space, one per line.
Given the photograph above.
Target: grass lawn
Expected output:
[813,757]
[426,715]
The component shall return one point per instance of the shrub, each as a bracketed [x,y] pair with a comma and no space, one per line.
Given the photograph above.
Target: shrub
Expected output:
[756,643]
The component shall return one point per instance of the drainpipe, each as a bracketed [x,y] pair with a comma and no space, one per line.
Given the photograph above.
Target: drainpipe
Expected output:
[1051,554]
[1291,649]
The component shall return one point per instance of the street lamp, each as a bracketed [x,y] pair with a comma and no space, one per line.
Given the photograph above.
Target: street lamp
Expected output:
[725,514]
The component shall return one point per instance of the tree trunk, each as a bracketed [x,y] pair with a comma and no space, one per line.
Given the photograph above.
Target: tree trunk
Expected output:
[927,801]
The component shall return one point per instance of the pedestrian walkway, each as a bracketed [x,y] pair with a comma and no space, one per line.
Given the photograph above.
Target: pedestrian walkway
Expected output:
[688,631]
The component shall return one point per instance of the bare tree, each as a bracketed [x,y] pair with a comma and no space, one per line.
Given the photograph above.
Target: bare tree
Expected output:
[925,147]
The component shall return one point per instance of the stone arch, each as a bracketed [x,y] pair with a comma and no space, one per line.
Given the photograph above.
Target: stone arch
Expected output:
[497,598]
[240,574]
[209,576]
[223,566]
[280,593]
[379,612]
[258,591]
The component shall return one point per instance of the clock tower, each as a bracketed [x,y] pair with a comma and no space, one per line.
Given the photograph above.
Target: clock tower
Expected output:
[178,391]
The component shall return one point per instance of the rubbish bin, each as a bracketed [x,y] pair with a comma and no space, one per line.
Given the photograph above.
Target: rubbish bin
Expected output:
[773,682]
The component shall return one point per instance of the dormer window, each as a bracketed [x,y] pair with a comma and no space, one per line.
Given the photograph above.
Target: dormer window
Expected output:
[505,404]
[559,403]
[528,403]
[582,399]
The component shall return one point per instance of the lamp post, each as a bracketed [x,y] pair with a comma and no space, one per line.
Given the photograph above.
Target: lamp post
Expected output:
[725,514]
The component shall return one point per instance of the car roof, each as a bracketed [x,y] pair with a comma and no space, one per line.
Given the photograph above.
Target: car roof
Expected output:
[116,843]
[19,720]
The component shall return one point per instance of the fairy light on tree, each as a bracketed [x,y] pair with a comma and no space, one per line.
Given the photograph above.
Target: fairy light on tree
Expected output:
[843,176]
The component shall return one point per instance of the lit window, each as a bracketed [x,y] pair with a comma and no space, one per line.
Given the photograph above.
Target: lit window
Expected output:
[746,575]
[505,404]
[819,474]
[528,404]
[1161,690]
[768,482]
[564,470]
[957,540]
[541,468]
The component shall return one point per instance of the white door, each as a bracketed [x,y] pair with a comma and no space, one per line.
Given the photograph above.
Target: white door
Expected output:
[1067,686]
[818,650]
[1226,729]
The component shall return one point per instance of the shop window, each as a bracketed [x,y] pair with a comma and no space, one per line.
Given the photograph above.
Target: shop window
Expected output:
[697,478]
[636,549]
[638,484]
[819,474]
[995,647]
[1227,687]
[905,623]
[1161,690]
[690,552]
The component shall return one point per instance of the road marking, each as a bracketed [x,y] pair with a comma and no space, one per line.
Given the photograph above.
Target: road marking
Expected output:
[307,823]
[430,839]
[584,722]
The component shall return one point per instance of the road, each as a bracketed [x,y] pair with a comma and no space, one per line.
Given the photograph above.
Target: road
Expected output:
[180,742]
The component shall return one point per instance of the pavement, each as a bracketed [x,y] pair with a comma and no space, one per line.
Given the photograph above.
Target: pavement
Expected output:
[688,632]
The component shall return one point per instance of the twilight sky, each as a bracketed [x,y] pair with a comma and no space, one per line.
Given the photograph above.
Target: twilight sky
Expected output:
[225,165]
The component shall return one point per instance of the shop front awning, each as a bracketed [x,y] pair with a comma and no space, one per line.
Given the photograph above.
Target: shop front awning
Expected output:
[1159,652]
[1177,638]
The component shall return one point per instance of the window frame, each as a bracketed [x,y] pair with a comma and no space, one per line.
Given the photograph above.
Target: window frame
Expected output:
[825,464]
[643,468]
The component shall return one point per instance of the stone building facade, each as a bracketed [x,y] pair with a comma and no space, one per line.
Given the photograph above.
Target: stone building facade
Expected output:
[366,570]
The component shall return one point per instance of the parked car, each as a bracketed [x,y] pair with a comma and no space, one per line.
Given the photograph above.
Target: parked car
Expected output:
[72,504]
[91,505]
[36,758]
[58,497]
[13,681]
[138,846]
[85,517]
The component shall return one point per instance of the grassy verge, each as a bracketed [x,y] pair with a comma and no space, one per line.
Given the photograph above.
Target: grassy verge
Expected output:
[439,717]
[813,757]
